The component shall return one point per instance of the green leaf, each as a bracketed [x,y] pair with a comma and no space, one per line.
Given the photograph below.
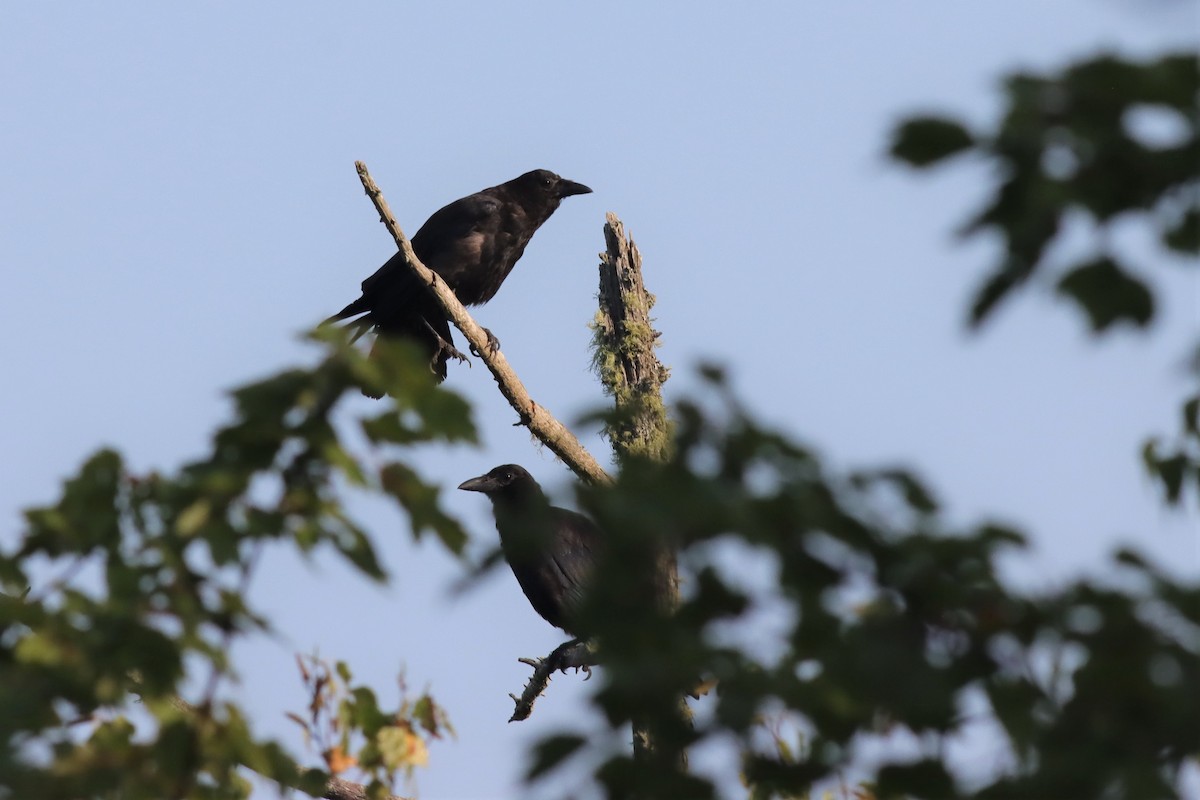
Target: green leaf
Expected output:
[430,716]
[396,367]
[395,428]
[1184,234]
[337,455]
[421,501]
[1173,80]
[349,539]
[1191,415]
[996,533]
[992,292]
[1130,558]
[552,751]
[921,141]
[922,779]
[313,782]
[270,399]
[1150,456]
[914,492]
[86,517]
[1171,472]
[1108,294]
[365,710]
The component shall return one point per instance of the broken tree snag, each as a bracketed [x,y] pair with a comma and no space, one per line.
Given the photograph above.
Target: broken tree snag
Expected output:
[623,347]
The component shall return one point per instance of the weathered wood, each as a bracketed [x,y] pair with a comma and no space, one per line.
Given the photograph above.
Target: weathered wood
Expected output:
[624,341]
[573,654]
[541,423]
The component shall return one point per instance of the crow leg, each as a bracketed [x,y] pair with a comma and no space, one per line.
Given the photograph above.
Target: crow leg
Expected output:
[444,346]
[493,344]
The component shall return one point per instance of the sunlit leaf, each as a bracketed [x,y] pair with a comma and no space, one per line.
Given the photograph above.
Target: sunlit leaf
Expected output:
[400,747]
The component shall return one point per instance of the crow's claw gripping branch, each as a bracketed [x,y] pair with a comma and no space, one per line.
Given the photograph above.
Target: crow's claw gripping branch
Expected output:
[493,344]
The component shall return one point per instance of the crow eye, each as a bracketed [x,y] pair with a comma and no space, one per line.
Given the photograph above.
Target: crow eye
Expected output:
[547,181]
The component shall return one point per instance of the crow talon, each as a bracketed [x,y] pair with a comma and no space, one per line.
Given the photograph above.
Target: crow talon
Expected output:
[493,344]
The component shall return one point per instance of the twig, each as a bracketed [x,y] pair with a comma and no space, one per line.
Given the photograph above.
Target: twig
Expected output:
[541,423]
[574,654]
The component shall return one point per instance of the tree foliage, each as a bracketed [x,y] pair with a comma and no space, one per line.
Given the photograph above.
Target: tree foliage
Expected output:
[122,598]
[1104,139]
[896,624]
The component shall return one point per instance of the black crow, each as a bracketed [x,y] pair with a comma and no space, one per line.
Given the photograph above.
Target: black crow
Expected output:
[551,550]
[473,244]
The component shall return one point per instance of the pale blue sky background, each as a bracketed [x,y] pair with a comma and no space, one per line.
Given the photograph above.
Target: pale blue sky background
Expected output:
[178,201]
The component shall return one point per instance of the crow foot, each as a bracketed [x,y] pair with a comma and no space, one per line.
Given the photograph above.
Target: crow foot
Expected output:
[493,344]
[444,346]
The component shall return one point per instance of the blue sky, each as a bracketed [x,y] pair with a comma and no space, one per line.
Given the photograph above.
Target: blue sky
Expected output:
[178,201]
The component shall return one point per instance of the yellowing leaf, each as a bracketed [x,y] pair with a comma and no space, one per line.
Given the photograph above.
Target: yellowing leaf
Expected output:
[40,650]
[338,761]
[192,518]
[400,747]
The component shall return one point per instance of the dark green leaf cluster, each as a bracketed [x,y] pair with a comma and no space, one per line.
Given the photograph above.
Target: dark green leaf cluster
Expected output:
[120,602]
[1073,143]
[1176,469]
[893,620]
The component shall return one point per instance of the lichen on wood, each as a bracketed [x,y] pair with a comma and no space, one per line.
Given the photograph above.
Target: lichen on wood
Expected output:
[623,344]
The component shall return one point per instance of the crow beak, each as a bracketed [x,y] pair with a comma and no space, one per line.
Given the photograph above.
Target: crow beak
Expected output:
[567,188]
[483,483]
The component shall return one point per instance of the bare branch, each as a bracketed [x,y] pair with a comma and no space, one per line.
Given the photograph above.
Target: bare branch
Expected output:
[541,423]
[575,654]
[338,789]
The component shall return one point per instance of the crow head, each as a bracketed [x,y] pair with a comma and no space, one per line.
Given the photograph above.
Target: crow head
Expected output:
[508,481]
[544,183]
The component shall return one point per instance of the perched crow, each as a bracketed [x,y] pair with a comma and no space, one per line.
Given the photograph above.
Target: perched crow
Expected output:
[473,244]
[551,550]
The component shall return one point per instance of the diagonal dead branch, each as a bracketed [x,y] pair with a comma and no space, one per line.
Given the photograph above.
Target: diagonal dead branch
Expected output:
[541,423]
[575,654]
